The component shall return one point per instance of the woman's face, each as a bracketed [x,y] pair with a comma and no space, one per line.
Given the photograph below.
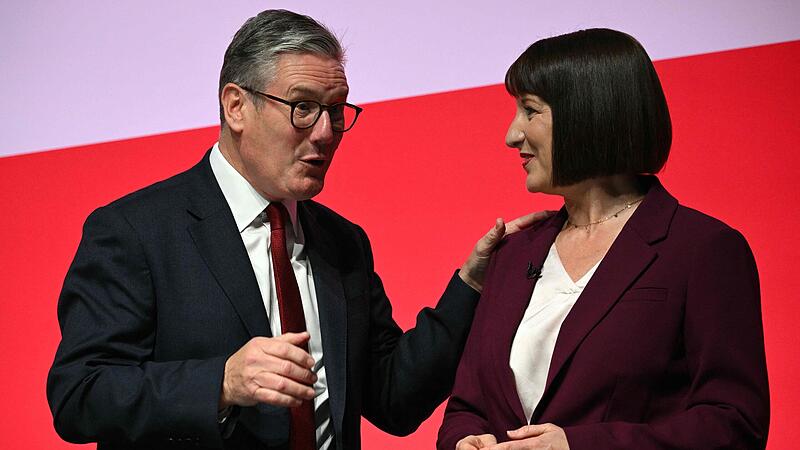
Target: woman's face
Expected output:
[531,132]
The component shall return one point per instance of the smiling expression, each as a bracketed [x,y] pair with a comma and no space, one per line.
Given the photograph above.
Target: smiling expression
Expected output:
[531,132]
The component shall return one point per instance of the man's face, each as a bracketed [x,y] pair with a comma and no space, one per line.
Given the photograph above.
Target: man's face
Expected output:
[280,161]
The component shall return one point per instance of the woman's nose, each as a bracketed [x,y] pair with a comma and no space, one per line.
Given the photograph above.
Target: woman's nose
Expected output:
[514,136]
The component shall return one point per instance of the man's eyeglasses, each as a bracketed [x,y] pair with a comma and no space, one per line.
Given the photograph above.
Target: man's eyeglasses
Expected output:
[305,113]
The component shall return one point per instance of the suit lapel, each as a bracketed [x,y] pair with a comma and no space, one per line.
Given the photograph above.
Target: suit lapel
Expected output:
[514,290]
[629,256]
[217,239]
[332,306]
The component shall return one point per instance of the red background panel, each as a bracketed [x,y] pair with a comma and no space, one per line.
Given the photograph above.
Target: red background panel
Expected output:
[426,176]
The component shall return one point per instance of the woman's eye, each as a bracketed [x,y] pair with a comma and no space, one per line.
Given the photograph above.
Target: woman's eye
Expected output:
[530,111]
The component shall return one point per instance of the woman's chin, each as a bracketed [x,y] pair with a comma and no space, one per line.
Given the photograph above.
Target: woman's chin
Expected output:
[538,187]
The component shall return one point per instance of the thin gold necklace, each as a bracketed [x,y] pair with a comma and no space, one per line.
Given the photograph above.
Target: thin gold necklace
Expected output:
[627,206]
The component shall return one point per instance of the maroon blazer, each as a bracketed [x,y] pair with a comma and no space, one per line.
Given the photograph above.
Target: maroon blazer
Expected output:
[663,349]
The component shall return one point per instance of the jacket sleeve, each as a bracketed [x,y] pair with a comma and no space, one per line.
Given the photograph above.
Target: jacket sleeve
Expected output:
[411,373]
[728,401]
[104,385]
[465,413]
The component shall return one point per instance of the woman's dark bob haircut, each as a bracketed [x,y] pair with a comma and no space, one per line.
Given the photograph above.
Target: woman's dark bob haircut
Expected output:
[609,112]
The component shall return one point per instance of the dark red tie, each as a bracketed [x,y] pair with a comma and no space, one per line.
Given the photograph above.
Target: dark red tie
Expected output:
[303,430]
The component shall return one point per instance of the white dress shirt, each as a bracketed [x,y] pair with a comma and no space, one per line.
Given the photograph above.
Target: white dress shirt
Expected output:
[248,208]
[533,345]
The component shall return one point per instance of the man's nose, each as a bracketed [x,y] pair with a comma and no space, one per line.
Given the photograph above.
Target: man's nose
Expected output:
[322,131]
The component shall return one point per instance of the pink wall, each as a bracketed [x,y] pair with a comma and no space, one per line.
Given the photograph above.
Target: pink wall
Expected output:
[93,71]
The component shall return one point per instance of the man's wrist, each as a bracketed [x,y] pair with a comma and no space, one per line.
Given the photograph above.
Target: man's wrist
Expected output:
[464,275]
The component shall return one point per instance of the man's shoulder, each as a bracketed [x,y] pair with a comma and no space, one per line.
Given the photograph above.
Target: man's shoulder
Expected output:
[164,193]
[164,202]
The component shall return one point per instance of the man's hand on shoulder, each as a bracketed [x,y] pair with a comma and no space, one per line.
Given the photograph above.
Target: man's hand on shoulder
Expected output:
[474,269]
[269,370]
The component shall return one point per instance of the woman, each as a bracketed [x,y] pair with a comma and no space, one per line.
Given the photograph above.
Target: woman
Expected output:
[625,321]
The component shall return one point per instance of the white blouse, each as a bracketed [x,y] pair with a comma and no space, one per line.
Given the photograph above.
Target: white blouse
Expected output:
[533,345]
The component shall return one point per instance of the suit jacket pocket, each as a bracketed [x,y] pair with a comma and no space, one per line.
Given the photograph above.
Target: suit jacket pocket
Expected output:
[644,295]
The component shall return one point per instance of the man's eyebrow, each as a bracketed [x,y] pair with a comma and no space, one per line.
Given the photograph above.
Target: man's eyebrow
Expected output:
[304,91]
[309,93]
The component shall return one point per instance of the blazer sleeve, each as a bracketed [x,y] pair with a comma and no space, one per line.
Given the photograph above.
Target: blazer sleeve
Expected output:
[465,413]
[410,374]
[727,405]
[104,385]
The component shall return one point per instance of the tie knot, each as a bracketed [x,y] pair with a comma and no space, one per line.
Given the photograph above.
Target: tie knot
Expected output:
[277,215]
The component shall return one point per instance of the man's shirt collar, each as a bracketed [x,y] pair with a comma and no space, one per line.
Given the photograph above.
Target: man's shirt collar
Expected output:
[245,202]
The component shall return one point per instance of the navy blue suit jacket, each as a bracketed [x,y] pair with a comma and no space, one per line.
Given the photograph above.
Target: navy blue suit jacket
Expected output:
[161,293]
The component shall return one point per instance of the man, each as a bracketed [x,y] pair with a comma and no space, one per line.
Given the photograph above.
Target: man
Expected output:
[223,308]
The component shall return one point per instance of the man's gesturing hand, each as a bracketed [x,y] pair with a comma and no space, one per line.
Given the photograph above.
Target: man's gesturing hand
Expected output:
[269,370]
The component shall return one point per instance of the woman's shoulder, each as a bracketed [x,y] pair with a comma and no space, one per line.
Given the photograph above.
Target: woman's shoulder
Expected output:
[525,244]
[705,231]
[662,209]
[701,223]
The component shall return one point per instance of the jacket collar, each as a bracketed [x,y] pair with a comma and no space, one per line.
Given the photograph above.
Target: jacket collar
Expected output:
[218,241]
[629,255]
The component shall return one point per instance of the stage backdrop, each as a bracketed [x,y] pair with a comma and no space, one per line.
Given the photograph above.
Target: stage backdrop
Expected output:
[101,98]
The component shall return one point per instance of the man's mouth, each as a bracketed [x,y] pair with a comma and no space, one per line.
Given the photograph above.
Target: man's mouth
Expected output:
[316,162]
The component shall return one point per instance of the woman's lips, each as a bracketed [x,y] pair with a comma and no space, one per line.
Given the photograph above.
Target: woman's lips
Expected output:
[526,159]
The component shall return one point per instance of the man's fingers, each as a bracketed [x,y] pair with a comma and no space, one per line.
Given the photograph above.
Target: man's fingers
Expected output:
[497,232]
[520,223]
[501,229]
[294,338]
[268,396]
[269,370]
[284,385]
[289,369]
[286,347]
[491,238]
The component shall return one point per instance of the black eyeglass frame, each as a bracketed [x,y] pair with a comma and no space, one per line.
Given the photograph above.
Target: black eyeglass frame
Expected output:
[322,107]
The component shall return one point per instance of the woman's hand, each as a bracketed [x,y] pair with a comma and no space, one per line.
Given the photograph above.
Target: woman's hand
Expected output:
[474,269]
[476,442]
[532,437]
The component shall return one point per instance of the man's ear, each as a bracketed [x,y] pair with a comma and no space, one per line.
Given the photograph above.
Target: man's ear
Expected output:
[233,104]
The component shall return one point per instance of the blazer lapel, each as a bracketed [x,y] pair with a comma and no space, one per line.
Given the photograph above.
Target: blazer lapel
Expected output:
[217,239]
[628,257]
[515,289]
[332,306]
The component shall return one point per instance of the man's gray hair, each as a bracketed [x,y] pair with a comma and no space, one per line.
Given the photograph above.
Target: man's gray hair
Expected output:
[252,56]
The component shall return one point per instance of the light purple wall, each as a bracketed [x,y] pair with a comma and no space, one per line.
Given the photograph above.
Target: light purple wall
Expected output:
[92,71]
